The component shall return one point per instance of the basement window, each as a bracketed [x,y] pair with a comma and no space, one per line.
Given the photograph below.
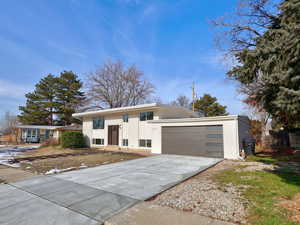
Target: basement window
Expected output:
[98,141]
[145,143]
[125,142]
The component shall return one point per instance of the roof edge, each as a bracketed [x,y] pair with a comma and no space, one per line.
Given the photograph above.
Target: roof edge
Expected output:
[200,119]
[121,109]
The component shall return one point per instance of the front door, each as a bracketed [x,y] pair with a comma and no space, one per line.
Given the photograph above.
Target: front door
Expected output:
[113,135]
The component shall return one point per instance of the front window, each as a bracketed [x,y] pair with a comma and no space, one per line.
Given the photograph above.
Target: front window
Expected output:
[33,134]
[98,123]
[29,133]
[146,116]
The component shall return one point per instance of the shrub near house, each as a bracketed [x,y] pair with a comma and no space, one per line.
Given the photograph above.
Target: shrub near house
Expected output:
[71,139]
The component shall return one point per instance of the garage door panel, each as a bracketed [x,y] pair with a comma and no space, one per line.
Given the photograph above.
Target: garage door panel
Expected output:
[195,141]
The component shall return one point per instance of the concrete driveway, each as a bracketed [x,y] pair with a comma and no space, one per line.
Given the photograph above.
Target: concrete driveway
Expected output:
[93,195]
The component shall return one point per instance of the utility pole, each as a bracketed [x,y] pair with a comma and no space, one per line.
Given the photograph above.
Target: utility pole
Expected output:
[193,96]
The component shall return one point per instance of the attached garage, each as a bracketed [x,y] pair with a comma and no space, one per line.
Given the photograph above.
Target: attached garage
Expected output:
[193,140]
[219,137]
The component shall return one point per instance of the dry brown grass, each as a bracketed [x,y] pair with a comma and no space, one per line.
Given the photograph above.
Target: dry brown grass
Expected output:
[42,166]
[50,150]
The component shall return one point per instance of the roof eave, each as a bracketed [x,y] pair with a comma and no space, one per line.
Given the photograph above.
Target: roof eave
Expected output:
[117,110]
[200,119]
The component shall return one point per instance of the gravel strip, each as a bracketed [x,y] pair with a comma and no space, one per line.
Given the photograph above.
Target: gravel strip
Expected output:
[203,196]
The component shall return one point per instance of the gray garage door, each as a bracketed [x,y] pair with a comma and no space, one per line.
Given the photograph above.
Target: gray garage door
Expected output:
[194,141]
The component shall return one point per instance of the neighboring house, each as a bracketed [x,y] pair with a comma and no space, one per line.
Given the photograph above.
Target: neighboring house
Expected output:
[165,129]
[40,133]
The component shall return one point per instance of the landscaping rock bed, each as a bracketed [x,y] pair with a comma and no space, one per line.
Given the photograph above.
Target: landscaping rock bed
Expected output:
[203,196]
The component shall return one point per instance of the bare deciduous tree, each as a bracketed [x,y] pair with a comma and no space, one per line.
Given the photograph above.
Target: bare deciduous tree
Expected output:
[113,86]
[239,29]
[182,101]
[8,123]
[8,126]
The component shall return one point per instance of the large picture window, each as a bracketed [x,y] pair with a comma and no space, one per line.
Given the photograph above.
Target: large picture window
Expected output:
[98,123]
[146,116]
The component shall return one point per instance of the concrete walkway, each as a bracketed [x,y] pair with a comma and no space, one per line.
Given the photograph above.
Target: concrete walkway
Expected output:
[93,195]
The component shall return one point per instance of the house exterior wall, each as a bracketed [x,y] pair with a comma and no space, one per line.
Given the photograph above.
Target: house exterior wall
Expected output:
[243,130]
[133,130]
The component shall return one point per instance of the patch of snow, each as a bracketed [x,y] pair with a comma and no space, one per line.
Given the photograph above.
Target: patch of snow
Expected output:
[9,153]
[55,170]
[82,165]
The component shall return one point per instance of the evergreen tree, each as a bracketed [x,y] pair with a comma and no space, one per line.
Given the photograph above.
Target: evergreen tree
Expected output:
[68,96]
[270,72]
[53,101]
[40,105]
[208,106]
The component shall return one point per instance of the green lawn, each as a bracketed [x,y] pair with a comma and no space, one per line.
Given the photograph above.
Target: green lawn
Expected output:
[265,190]
[273,159]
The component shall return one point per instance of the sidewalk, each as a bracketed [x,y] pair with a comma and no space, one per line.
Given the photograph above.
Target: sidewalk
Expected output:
[148,214]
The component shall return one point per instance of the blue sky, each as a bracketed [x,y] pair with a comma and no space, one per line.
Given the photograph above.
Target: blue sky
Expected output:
[171,41]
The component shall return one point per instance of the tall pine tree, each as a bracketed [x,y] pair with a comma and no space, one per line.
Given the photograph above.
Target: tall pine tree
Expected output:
[53,100]
[69,97]
[40,105]
[208,106]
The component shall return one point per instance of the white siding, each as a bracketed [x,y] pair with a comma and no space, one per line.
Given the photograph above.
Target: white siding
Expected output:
[87,128]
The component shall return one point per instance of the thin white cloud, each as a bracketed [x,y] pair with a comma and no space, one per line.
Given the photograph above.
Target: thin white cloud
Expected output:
[66,50]
[219,59]
[136,2]
[13,90]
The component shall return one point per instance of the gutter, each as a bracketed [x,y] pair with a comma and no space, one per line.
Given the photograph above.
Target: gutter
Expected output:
[202,119]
